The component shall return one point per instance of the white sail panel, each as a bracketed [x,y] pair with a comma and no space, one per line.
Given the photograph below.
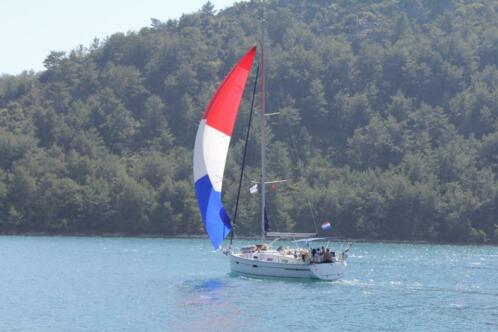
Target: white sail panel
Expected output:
[210,153]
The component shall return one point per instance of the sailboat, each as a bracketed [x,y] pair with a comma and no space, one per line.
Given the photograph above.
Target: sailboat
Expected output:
[210,153]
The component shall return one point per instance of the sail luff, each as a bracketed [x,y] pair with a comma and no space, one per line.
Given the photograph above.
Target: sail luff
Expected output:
[211,148]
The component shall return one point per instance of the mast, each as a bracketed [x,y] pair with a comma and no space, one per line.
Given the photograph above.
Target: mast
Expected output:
[263,141]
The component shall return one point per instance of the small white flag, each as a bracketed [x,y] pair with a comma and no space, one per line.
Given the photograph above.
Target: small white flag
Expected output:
[254,189]
[326,226]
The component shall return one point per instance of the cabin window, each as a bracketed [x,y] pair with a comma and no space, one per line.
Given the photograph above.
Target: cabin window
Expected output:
[255,257]
[269,259]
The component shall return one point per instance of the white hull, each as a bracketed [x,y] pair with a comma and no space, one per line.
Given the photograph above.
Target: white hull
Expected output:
[293,269]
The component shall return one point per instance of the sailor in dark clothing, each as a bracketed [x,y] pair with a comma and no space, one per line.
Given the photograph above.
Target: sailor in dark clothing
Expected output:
[327,257]
[313,253]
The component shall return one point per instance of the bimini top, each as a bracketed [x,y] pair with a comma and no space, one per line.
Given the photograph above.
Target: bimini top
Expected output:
[211,148]
[290,235]
[312,239]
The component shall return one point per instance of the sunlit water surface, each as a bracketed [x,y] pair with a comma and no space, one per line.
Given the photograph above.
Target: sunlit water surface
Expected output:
[139,284]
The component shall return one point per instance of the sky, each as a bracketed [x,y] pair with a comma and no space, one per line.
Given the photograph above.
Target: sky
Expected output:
[31,29]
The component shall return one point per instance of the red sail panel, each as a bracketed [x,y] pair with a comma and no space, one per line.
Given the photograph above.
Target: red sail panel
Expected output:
[223,107]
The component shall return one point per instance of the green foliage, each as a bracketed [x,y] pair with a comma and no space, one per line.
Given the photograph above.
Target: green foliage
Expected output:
[388,123]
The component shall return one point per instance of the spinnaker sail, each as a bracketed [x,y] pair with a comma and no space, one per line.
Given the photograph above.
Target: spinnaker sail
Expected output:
[211,148]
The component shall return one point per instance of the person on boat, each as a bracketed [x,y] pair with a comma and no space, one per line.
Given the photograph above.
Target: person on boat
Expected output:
[305,255]
[327,256]
[313,254]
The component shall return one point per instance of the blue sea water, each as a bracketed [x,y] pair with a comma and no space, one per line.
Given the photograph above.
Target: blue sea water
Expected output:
[141,284]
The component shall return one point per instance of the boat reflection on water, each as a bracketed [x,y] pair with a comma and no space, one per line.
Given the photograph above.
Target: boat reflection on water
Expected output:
[210,285]
[209,291]
[206,306]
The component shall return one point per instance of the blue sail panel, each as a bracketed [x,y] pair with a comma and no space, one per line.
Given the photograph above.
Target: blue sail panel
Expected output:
[214,216]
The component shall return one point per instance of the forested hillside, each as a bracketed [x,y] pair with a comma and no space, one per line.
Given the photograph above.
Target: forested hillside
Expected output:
[388,123]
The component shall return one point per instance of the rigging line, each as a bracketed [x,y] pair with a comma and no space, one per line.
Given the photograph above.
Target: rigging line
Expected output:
[244,155]
[301,167]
